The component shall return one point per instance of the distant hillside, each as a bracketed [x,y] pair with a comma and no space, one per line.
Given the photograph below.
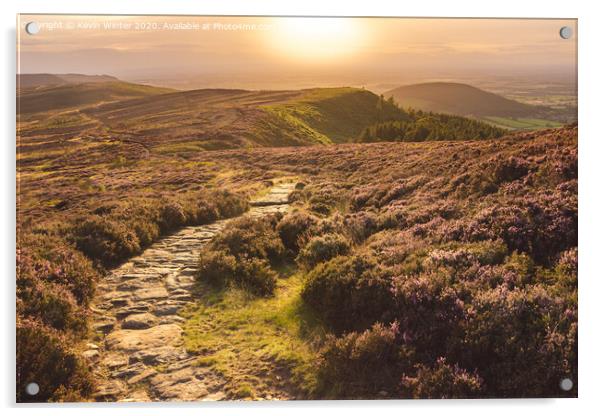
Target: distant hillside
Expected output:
[337,114]
[211,119]
[74,95]
[186,122]
[459,99]
[37,80]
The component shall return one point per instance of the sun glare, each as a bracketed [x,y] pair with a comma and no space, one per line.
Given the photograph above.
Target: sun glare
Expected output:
[315,40]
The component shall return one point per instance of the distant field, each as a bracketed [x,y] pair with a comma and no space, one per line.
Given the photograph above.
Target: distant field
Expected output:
[556,101]
[521,123]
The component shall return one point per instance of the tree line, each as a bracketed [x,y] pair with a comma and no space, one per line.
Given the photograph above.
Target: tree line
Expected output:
[417,126]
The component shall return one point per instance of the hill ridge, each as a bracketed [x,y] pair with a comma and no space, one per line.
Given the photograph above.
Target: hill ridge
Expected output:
[459,99]
[45,79]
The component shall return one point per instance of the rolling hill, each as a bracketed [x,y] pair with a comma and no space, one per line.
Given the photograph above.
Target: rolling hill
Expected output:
[468,101]
[338,114]
[459,99]
[45,98]
[220,118]
[37,80]
[183,122]
[207,119]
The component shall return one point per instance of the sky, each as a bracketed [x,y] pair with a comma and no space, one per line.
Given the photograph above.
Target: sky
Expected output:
[276,52]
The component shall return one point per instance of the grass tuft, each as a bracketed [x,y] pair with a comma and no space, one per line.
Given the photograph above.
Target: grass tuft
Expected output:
[240,336]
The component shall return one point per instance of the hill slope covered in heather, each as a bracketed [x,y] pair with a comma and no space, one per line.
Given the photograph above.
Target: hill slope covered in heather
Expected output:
[49,98]
[400,269]
[168,121]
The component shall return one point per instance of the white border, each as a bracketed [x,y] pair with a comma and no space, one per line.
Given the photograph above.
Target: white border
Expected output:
[590,163]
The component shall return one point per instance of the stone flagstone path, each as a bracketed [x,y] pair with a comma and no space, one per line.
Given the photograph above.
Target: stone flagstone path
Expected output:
[142,357]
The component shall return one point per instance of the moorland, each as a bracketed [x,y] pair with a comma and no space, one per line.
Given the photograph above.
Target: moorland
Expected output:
[421,255]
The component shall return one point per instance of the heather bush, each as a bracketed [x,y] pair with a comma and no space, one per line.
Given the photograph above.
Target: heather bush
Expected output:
[523,269]
[509,169]
[293,226]
[441,381]
[542,226]
[323,200]
[203,211]
[460,256]
[368,196]
[348,292]
[360,364]
[116,232]
[216,267]
[48,259]
[323,248]
[482,185]
[517,271]
[320,206]
[361,225]
[430,230]
[566,271]
[252,274]
[171,216]
[146,231]
[429,310]
[402,189]
[250,237]
[142,216]
[103,239]
[55,284]
[46,356]
[567,164]
[334,224]
[230,204]
[503,334]
[393,248]
[453,301]
[391,218]
[256,276]
[242,255]
[560,166]
[51,303]
[105,208]
[488,252]
[508,337]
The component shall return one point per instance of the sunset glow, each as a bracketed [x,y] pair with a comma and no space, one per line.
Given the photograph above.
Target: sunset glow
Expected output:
[268,52]
[317,39]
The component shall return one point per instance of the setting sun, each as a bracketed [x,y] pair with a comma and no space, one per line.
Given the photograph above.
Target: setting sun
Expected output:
[318,39]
